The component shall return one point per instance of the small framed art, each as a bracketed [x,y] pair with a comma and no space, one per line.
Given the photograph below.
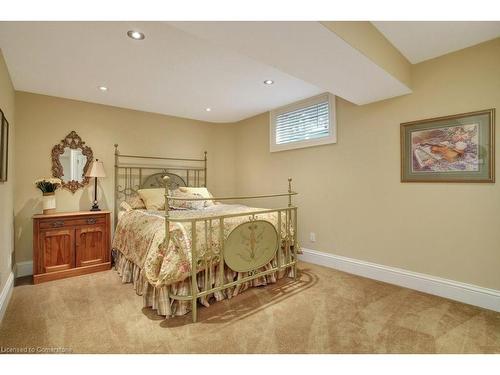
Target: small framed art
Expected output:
[457,148]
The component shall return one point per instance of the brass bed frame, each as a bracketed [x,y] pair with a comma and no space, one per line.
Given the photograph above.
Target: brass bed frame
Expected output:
[254,248]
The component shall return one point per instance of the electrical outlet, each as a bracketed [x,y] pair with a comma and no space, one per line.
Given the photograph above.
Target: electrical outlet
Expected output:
[312,237]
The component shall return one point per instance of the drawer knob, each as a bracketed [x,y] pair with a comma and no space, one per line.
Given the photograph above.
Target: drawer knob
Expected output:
[91,220]
[57,224]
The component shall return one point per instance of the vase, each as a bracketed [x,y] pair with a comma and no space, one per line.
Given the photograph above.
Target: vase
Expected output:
[49,203]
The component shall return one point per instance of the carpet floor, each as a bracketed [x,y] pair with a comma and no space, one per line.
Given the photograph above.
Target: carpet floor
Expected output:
[324,311]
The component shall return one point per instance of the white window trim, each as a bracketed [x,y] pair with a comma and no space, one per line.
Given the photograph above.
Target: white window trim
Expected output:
[332,129]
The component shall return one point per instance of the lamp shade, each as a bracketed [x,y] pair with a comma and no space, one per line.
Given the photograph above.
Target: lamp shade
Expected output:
[96,169]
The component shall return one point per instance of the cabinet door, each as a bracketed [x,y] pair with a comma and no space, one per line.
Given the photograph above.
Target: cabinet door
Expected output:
[56,249]
[91,245]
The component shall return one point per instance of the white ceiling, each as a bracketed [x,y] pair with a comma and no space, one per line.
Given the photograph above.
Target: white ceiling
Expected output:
[182,68]
[169,72]
[422,40]
[307,50]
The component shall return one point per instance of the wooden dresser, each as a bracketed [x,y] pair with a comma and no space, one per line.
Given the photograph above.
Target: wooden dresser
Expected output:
[68,244]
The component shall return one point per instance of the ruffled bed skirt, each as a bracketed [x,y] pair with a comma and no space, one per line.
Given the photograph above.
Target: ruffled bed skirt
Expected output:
[159,298]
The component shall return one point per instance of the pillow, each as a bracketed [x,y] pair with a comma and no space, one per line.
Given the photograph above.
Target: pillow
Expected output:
[186,205]
[124,206]
[135,202]
[203,191]
[154,199]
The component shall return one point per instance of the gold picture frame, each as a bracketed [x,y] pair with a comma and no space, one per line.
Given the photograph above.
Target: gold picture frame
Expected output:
[456,148]
[4,147]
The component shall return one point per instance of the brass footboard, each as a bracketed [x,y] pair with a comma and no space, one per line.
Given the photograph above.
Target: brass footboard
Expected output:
[255,247]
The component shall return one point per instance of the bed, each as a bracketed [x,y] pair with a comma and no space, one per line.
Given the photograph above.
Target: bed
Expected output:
[196,248]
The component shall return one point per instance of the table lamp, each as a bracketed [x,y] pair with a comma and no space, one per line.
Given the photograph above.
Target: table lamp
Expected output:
[96,169]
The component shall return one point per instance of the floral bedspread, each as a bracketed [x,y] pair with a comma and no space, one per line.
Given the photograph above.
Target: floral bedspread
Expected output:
[139,237]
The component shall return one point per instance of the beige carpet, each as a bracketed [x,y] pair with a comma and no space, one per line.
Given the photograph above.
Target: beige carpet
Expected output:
[326,311]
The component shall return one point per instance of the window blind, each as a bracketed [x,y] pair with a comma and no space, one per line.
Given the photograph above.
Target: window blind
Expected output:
[302,124]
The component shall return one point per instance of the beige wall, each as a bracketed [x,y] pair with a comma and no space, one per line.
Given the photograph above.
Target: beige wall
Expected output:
[350,192]
[7,188]
[43,121]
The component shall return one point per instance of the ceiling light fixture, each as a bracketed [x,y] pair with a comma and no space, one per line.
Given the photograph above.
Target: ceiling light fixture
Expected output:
[136,35]
[268,82]
[103,88]
[208,109]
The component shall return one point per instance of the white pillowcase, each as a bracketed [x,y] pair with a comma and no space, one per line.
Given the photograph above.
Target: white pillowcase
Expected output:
[177,204]
[154,199]
[124,206]
[202,191]
[135,202]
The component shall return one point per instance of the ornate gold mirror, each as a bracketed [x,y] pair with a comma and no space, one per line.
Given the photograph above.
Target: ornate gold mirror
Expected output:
[70,161]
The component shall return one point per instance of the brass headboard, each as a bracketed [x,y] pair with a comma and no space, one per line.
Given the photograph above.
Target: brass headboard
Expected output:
[134,172]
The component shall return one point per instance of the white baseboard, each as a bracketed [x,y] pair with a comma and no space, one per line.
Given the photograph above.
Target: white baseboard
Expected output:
[24,268]
[5,294]
[467,293]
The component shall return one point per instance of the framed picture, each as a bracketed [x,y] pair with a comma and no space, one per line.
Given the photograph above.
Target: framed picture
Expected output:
[458,148]
[4,147]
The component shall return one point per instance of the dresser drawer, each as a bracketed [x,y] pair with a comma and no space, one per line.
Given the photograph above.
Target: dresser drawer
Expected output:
[71,221]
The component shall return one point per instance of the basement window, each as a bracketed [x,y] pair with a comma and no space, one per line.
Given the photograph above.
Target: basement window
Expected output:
[307,123]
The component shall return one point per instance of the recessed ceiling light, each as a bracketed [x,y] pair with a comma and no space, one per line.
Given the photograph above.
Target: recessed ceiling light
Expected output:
[268,82]
[136,35]
[103,88]
[208,109]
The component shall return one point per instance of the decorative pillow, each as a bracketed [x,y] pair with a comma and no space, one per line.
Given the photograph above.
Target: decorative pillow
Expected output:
[124,206]
[203,191]
[186,205]
[135,202]
[154,199]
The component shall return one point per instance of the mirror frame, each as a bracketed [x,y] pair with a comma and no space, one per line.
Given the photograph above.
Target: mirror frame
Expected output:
[73,141]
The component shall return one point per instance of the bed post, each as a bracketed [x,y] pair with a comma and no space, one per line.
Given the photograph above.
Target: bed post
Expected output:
[115,216]
[194,266]
[167,214]
[205,161]
[289,192]
[294,219]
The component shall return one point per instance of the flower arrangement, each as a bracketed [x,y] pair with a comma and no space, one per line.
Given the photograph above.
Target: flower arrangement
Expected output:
[48,185]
